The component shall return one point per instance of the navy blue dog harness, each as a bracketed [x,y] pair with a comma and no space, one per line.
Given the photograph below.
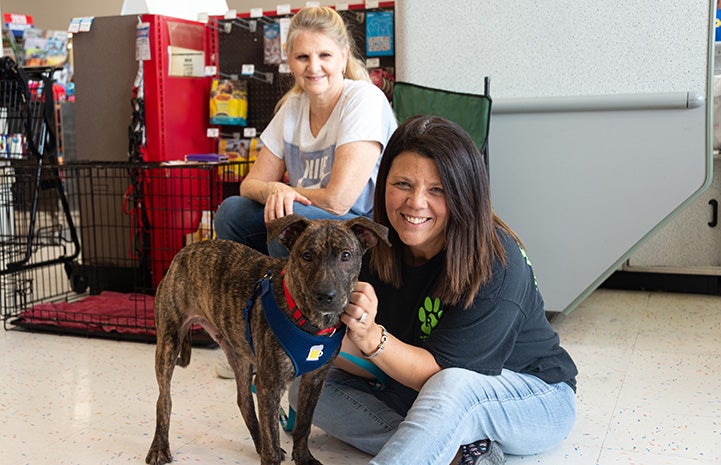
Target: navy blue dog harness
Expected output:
[307,351]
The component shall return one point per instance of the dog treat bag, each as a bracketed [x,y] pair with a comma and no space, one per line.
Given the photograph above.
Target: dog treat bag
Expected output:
[229,102]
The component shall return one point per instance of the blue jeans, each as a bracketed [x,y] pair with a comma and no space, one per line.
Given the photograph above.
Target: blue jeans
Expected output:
[241,220]
[522,413]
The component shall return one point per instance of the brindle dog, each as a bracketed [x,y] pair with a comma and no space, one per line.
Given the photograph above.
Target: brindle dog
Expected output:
[210,282]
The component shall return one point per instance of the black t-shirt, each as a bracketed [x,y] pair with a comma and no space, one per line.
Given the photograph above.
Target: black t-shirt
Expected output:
[506,326]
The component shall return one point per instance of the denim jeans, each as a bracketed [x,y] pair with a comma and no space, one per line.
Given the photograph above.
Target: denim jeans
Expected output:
[522,413]
[241,220]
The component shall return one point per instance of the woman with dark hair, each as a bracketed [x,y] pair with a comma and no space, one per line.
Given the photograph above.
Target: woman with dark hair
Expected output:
[461,364]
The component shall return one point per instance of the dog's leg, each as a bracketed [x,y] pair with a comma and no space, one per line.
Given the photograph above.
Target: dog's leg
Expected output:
[309,390]
[244,380]
[166,354]
[269,394]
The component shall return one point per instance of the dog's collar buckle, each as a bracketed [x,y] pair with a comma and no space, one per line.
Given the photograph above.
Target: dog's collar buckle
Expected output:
[327,331]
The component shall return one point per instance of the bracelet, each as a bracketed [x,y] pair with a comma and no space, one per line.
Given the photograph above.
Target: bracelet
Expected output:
[381,346]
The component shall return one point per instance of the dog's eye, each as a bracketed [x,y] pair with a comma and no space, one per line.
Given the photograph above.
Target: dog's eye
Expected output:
[307,256]
[345,256]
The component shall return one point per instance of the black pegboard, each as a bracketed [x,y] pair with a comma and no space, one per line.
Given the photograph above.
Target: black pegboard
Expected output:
[243,45]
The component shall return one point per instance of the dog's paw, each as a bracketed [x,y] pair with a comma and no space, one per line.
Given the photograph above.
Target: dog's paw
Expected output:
[309,461]
[158,456]
[305,458]
[275,457]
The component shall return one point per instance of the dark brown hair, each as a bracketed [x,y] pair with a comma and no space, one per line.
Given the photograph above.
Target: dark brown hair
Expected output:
[472,242]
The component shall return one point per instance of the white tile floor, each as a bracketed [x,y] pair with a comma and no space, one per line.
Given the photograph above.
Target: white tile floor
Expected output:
[649,393]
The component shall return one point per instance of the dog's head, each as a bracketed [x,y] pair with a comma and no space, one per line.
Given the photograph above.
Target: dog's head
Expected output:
[325,260]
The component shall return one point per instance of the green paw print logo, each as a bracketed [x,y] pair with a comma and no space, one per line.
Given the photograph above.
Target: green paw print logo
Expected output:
[528,262]
[429,314]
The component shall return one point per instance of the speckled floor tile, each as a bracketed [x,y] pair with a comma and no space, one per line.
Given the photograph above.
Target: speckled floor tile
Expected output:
[649,394]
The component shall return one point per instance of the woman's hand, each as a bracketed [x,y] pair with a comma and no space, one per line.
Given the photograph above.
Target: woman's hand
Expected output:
[407,364]
[359,318]
[264,184]
[279,200]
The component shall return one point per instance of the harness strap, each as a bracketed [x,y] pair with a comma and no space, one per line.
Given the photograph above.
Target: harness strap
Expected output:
[248,307]
[307,351]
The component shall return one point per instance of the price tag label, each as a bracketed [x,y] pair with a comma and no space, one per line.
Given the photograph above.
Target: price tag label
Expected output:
[370,4]
[247,69]
[341,6]
[86,23]
[230,14]
[283,9]
[213,133]
[248,132]
[256,12]
[283,68]
[211,70]
[203,17]
[74,25]
[373,63]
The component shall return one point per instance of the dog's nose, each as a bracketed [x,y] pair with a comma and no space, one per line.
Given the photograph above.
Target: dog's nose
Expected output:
[325,297]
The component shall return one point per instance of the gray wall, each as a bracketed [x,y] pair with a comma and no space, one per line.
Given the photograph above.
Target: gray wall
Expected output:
[586,159]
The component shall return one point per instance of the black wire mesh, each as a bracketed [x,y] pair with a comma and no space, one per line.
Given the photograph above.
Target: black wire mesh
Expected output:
[130,219]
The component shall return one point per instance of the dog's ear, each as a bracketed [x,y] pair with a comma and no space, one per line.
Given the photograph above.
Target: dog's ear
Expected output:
[287,229]
[368,232]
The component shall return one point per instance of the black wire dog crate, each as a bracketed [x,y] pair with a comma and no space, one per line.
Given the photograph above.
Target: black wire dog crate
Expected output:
[94,270]
[83,246]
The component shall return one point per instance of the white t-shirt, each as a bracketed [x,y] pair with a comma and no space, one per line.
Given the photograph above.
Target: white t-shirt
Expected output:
[362,114]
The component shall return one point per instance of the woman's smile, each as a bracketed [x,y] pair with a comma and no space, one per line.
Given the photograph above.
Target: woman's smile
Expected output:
[415,220]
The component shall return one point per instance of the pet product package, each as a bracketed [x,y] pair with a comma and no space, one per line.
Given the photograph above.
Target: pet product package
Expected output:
[379,33]
[240,150]
[284,24]
[271,44]
[229,102]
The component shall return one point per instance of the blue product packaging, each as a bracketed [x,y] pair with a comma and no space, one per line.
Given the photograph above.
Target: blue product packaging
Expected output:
[379,33]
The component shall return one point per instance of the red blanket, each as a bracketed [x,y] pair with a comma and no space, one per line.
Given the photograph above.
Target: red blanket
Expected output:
[106,312]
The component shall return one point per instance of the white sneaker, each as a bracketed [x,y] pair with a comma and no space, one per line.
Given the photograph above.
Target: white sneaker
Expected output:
[223,370]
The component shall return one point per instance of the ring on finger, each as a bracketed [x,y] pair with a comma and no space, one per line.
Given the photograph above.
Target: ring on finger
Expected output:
[362,318]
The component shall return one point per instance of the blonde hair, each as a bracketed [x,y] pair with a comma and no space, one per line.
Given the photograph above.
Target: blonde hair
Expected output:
[325,20]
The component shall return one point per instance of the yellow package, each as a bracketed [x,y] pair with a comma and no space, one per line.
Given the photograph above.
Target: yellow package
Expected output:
[229,102]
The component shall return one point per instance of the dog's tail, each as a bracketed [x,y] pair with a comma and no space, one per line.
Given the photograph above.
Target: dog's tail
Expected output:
[185,349]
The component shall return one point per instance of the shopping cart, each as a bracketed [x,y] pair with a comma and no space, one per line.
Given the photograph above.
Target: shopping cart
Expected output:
[36,225]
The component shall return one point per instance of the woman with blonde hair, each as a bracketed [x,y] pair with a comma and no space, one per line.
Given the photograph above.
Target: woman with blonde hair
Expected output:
[328,134]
